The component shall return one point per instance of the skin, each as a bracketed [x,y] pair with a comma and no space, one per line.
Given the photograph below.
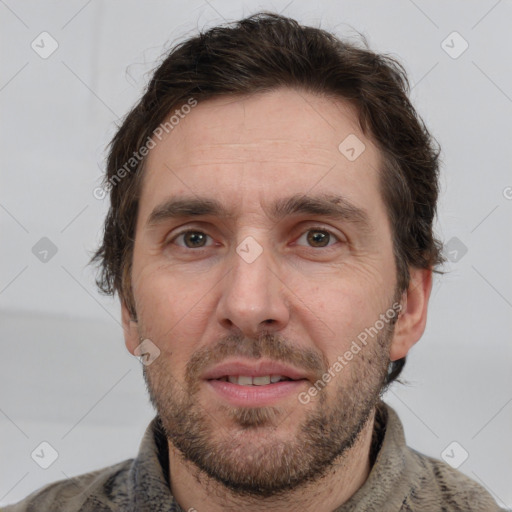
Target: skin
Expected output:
[248,152]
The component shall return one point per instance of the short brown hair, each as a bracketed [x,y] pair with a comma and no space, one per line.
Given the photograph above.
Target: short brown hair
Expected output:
[264,52]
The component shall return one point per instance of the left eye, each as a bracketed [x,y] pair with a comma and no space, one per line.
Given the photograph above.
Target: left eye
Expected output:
[196,239]
[319,237]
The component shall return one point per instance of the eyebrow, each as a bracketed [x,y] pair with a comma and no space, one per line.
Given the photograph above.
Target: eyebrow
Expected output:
[332,206]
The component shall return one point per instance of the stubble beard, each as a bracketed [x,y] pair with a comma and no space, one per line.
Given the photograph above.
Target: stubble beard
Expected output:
[244,454]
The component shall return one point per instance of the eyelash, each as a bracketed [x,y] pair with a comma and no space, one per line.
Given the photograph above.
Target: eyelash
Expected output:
[314,228]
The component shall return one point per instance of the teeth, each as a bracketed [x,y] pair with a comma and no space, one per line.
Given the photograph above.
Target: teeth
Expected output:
[246,380]
[261,381]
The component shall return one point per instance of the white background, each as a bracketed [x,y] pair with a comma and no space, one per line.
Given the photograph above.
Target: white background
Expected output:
[66,377]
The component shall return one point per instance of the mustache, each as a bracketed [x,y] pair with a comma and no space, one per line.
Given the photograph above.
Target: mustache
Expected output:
[270,346]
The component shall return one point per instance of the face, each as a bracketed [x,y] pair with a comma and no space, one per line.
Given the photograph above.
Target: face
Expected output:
[262,254]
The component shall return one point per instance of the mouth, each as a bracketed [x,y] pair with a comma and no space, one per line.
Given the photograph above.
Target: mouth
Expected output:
[261,380]
[245,384]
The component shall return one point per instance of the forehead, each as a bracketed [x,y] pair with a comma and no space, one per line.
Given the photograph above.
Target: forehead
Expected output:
[250,150]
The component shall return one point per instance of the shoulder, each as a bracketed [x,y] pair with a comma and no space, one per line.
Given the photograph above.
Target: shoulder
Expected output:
[439,486]
[99,490]
[405,479]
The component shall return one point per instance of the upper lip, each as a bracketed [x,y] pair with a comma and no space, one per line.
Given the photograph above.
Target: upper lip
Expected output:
[253,369]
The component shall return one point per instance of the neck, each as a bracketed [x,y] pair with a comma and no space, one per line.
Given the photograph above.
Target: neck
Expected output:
[193,490]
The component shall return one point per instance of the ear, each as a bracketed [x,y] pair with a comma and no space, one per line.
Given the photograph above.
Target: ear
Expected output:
[130,329]
[413,316]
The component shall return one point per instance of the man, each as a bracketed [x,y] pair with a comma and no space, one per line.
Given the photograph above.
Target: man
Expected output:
[270,238]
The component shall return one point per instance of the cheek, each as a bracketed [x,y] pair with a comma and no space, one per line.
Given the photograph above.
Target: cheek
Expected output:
[336,312]
[172,310]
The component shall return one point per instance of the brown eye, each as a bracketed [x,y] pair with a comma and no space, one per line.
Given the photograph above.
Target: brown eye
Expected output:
[192,239]
[319,237]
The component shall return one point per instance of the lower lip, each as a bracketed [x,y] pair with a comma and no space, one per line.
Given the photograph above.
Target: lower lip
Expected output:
[256,396]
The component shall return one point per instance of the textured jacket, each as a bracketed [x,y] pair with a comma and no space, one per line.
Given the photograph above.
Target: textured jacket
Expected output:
[401,480]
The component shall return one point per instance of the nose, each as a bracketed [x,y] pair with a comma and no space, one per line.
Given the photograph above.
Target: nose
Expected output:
[253,296]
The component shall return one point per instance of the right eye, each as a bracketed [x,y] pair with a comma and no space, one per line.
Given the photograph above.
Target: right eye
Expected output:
[192,239]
